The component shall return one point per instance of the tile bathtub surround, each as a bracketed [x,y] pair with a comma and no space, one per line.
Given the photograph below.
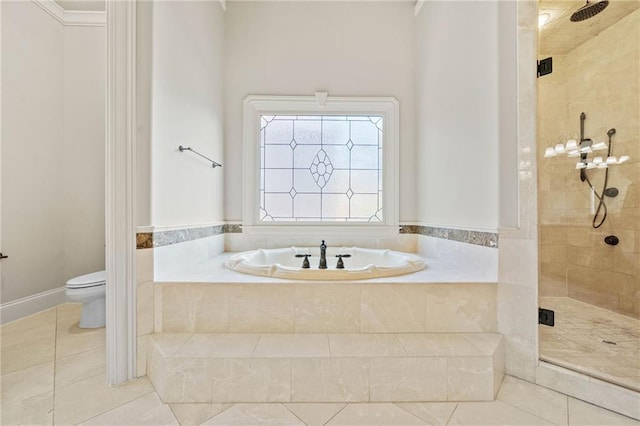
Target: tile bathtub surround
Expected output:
[328,308]
[29,396]
[199,368]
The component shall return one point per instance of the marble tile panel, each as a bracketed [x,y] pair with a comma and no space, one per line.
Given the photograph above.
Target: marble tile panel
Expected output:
[365,345]
[315,414]
[330,380]
[261,309]
[393,308]
[80,366]
[26,383]
[461,308]
[470,379]
[34,410]
[145,308]
[169,343]
[437,344]
[250,380]
[195,308]
[103,398]
[374,414]
[487,343]
[180,379]
[539,401]
[327,308]
[434,413]
[584,414]
[141,355]
[219,346]
[495,413]
[158,308]
[144,265]
[517,311]
[256,414]
[195,414]
[520,357]
[27,348]
[292,346]
[44,318]
[71,339]
[408,379]
[595,391]
[147,410]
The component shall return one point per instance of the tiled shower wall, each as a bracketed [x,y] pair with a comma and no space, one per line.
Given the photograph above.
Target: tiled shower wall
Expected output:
[602,79]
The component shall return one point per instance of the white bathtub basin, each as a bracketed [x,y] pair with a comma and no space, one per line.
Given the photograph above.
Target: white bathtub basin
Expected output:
[363,263]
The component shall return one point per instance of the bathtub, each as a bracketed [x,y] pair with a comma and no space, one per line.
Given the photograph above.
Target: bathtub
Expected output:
[363,263]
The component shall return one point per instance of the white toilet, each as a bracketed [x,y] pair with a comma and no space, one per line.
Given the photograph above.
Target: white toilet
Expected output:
[90,291]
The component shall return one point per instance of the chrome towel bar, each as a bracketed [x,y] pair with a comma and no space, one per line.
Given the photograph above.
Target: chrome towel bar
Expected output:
[213,163]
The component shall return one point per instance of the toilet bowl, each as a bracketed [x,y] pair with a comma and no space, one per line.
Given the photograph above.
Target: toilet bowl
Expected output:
[90,291]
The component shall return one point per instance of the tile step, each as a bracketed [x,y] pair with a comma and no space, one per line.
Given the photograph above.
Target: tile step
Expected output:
[381,367]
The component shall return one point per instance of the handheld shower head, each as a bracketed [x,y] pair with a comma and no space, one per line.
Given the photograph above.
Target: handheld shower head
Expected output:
[589,10]
[611,132]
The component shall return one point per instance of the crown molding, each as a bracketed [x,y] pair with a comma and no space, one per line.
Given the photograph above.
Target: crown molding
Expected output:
[74,17]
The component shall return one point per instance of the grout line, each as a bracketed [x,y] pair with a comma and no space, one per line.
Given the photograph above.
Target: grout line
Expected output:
[403,409]
[452,413]
[125,403]
[55,365]
[289,410]
[337,412]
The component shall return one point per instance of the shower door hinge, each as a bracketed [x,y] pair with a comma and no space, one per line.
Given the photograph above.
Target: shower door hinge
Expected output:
[546,317]
[545,66]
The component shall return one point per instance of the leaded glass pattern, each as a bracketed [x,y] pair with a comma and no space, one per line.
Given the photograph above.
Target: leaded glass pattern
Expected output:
[321,168]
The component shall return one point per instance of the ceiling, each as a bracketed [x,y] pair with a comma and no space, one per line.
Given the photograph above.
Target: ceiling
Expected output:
[560,35]
[82,5]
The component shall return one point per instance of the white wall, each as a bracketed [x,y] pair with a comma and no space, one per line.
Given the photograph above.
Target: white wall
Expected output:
[32,151]
[84,152]
[457,114]
[187,109]
[52,150]
[298,48]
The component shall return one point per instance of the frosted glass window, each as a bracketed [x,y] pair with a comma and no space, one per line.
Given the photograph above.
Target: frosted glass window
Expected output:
[324,168]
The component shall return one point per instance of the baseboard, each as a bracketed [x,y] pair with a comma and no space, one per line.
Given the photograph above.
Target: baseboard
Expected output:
[30,305]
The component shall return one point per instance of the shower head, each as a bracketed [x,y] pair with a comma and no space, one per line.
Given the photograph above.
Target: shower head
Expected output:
[589,10]
[611,132]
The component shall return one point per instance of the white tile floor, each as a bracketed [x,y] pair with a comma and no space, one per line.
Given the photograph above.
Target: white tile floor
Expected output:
[592,340]
[53,373]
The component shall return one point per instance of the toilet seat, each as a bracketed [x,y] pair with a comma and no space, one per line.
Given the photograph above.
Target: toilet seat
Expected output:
[89,280]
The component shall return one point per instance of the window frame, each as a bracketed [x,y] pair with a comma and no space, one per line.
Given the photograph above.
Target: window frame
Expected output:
[255,106]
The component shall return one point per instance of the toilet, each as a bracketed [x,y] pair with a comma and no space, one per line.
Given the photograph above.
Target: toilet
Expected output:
[90,291]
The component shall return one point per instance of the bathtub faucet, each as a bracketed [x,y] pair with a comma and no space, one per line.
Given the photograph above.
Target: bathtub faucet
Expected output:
[323,256]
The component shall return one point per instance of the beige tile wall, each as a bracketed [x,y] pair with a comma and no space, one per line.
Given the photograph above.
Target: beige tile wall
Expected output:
[328,308]
[602,79]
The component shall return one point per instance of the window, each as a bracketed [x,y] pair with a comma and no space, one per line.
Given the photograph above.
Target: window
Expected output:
[321,166]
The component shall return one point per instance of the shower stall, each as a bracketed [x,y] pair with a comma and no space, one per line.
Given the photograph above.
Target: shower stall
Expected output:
[589,188]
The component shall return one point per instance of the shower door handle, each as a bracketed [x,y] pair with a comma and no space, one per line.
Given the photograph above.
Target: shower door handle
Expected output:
[2,256]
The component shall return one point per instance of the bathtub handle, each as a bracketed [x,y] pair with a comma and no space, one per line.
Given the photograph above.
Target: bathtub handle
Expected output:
[340,264]
[305,262]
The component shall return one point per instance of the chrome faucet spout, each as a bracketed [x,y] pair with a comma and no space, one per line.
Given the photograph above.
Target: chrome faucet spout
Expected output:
[323,256]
